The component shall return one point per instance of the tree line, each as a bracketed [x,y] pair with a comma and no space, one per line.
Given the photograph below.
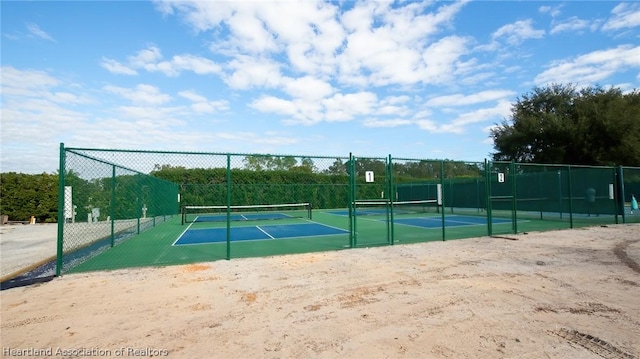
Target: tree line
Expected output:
[26,195]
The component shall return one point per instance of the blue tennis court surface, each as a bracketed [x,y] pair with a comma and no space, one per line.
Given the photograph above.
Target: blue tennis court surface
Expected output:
[428,222]
[367,212]
[216,235]
[240,217]
[449,221]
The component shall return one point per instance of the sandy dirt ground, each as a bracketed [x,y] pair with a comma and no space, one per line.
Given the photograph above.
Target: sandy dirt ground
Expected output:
[560,294]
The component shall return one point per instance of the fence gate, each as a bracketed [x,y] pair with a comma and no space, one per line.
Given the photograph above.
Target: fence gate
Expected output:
[370,209]
[501,204]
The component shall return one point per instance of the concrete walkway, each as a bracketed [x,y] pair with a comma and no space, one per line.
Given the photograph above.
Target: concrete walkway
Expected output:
[24,245]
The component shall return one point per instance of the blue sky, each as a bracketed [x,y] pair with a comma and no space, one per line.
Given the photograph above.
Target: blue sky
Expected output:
[423,80]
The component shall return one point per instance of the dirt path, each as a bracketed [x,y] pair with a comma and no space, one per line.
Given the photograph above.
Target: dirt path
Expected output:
[561,294]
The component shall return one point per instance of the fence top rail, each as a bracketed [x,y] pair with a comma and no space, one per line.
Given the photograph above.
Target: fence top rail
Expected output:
[557,165]
[79,150]
[165,152]
[437,161]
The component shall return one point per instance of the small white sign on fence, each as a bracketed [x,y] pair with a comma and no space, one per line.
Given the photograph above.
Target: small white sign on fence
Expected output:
[611,193]
[368,176]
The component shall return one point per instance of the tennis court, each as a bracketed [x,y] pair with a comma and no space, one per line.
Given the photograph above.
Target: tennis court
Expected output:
[205,233]
[253,233]
[219,224]
[450,221]
[428,221]
[204,223]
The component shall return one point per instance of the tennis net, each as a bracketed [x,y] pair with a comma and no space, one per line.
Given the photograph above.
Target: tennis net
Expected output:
[191,214]
[382,207]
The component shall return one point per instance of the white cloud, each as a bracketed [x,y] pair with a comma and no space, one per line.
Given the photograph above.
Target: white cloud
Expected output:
[272,104]
[309,37]
[440,59]
[465,100]
[36,31]
[38,113]
[269,138]
[517,32]
[201,104]
[571,24]
[592,67]
[245,72]
[501,110]
[67,98]
[35,118]
[179,63]
[346,107]
[624,15]
[115,67]
[320,41]
[427,125]
[150,59]
[339,107]
[308,88]
[554,11]
[144,57]
[250,33]
[142,94]
[17,82]
[386,123]
[192,96]
[404,53]
[394,100]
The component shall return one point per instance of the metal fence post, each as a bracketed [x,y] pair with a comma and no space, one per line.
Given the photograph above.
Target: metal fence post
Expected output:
[392,194]
[228,206]
[570,196]
[487,174]
[443,199]
[61,216]
[514,201]
[113,204]
[354,188]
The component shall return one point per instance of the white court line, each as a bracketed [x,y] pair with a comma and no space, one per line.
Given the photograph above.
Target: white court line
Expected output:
[263,231]
[182,234]
[326,225]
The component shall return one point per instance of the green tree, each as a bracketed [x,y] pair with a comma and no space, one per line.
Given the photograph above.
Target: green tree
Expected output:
[560,124]
[306,165]
[369,164]
[336,168]
[266,163]
[417,170]
[26,195]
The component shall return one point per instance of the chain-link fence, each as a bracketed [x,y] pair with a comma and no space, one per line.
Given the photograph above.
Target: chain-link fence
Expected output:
[104,204]
[144,208]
